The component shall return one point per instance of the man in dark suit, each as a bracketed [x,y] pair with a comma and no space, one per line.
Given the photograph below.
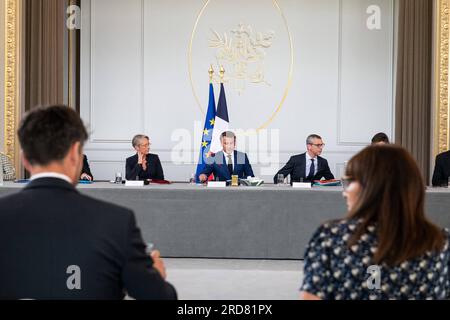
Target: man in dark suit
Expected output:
[86,171]
[441,170]
[308,166]
[227,162]
[56,243]
[143,165]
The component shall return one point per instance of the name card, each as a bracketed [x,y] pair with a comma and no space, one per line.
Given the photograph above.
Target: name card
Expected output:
[133,183]
[302,185]
[217,184]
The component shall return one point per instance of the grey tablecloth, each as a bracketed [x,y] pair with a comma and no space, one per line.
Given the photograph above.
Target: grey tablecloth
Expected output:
[253,223]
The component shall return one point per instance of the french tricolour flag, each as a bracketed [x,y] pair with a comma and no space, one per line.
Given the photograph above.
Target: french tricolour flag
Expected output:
[222,121]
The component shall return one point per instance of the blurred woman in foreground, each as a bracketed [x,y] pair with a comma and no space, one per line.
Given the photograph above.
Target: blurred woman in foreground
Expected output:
[386,248]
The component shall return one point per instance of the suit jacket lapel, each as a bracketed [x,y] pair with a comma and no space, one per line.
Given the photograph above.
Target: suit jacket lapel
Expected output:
[303,164]
[136,160]
[319,164]
[225,168]
[235,163]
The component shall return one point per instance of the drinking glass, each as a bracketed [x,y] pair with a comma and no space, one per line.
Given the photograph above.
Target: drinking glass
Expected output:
[118,179]
[280,180]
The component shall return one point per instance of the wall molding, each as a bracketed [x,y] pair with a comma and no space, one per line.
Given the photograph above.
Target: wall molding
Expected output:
[103,150]
[441,82]
[391,98]
[13,29]
[92,119]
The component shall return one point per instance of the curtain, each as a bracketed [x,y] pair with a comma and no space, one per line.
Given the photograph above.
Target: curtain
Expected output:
[45,52]
[414,80]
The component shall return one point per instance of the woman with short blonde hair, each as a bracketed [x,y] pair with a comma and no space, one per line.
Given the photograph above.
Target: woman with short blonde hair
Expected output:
[143,165]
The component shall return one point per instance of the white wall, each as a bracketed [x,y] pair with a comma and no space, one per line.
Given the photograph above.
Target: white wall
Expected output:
[136,79]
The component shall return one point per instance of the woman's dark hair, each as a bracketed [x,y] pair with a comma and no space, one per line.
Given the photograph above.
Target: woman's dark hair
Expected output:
[392,196]
[47,133]
[380,137]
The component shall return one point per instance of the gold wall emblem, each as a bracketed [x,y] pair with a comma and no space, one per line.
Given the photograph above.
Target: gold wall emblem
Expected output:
[246,68]
[242,52]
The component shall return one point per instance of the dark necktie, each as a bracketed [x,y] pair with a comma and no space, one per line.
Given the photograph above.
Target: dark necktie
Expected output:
[311,171]
[230,165]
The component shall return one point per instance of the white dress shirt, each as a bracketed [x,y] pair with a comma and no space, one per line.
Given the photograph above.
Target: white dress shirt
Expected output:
[308,164]
[51,175]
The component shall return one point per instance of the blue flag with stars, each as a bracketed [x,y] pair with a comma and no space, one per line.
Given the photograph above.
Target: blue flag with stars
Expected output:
[207,134]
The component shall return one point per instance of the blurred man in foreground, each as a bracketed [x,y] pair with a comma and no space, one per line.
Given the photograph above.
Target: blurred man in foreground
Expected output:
[56,243]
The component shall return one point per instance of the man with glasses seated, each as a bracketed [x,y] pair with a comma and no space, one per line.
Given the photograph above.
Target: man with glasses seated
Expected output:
[309,166]
[143,165]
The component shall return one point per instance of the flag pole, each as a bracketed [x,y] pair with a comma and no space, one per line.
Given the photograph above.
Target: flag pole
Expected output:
[211,74]
[222,73]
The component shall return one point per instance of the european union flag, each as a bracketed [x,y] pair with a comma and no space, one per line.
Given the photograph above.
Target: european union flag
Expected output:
[207,135]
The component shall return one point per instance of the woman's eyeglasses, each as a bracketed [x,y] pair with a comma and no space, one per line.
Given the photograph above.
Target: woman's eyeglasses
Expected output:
[346,181]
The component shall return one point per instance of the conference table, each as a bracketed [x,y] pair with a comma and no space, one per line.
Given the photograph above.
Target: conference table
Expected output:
[267,222]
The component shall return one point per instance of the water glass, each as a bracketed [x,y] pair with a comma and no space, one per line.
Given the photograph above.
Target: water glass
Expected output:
[287,180]
[149,248]
[118,179]
[280,179]
[193,179]
[446,183]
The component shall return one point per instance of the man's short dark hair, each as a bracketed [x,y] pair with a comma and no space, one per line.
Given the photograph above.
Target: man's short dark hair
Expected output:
[380,137]
[228,134]
[47,133]
[311,137]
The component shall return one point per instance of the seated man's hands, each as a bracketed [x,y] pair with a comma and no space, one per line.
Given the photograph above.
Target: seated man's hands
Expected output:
[203,178]
[85,176]
[158,263]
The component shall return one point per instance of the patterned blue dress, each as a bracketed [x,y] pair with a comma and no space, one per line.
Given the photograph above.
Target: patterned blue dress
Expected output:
[332,271]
